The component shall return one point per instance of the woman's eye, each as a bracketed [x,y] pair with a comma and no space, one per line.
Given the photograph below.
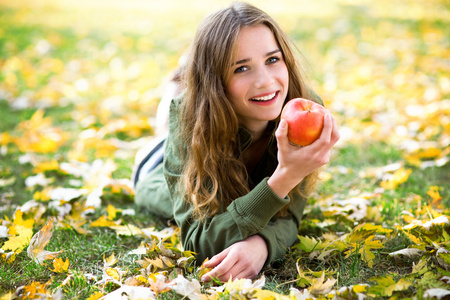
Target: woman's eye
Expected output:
[240,69]
[272,60]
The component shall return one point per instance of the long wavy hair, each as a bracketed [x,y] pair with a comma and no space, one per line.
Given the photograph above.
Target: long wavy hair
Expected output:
[214,175]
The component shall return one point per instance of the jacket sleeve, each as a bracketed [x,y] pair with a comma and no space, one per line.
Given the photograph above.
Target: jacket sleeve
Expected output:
[152,194]
[246,216]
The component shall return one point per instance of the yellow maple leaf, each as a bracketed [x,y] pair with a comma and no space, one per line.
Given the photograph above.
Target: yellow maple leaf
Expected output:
[42,195]
[36,248]
[113,273]
[39,136]
[110,261]
[60,266]
[361,232]
[20,239]
[19,220]
[103,222]
[95,296]
[46,166]
[351,292]
[75,224]
[128,229]
[112,212]
[436,198]
[34,290]
[386,286]
[365,251]
[400,176]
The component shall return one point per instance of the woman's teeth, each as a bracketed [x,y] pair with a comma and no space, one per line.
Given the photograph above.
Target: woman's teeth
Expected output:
[265,98]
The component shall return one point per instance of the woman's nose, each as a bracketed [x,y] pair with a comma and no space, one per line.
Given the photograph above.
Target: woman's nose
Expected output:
[264,77]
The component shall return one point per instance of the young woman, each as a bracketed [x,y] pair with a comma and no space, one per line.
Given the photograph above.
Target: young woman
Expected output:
[230,178]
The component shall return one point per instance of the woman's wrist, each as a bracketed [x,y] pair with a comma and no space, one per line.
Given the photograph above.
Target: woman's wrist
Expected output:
[282,183]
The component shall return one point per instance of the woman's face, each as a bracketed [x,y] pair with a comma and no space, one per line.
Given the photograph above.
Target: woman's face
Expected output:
[259,79]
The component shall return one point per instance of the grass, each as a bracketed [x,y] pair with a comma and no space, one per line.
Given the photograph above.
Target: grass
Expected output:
[369,63]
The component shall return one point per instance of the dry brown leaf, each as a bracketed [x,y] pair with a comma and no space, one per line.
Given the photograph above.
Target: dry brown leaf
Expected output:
[322,287]
[38,242]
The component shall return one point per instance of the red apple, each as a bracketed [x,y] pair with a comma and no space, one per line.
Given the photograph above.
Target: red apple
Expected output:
[305,120]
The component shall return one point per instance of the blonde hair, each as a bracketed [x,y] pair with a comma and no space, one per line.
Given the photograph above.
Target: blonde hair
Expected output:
[213,174]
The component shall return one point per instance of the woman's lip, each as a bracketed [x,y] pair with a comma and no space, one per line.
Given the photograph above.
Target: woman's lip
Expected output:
[266,102]
[264,95]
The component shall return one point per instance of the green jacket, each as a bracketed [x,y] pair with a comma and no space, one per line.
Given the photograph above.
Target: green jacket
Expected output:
[248,215]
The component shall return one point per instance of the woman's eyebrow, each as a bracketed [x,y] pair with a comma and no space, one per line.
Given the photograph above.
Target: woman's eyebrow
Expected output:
[245,60]
[273,52]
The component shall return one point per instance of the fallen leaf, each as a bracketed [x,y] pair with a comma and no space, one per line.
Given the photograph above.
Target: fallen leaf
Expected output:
[322,287]
[113,273]
[20,240]
[186,288]
[95,296]
[261,294]
[308,244]
[409,252]
[110,261]
[202,270]
[128,229]
[7,258]
[19,220]
[386,286]
[7,296]
[112,212]
[158,284]
[35,290]
[300,295]
[3,231]
[133,293]
[436,294]
[400,176]
[36,248]
[365,250]
[103,222]
[433,192]
[420,268]
[60,266]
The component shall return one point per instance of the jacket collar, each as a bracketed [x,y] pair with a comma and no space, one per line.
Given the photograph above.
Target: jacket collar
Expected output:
[245,138]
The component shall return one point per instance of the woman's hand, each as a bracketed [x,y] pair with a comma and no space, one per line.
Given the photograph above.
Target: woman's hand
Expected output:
[243,259]
[294,162]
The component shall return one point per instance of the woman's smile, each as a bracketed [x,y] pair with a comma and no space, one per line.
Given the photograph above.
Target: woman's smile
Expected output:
[266,100]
